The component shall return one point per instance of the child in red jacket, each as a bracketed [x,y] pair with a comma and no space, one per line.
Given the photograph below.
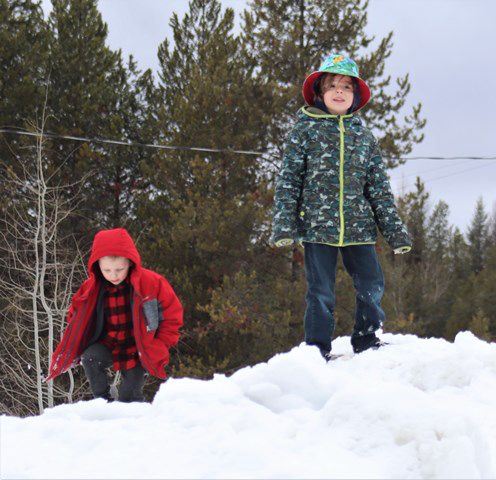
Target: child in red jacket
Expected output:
[123,316]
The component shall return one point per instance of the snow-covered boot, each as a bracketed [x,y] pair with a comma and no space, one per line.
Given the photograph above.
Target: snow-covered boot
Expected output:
[360,343]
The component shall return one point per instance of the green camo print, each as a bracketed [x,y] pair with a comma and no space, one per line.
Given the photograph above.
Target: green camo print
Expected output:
[307,197]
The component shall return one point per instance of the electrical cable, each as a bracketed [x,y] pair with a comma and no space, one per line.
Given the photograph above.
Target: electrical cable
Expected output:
[203,149]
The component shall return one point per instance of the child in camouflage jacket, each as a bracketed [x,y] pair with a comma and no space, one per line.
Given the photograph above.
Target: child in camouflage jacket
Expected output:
[332,193]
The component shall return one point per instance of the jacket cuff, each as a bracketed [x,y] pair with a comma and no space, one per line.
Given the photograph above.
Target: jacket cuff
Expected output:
[284,242]
[399,240]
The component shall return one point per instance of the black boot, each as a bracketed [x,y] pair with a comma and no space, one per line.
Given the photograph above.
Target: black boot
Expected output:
[326,354]
[106,396]
[360,343]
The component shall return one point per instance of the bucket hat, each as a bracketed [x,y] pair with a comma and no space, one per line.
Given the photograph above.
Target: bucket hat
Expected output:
[341,65]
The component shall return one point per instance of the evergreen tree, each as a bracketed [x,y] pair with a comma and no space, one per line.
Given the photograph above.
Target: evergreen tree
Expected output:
[486,286]
[461,295]
[478,237]
[417,210]
[414,208]
[93,94]
[436,270]
[492,227]
[23,55]
[205,211]
[459,256]
[464,308]
[439,231]
[479,326]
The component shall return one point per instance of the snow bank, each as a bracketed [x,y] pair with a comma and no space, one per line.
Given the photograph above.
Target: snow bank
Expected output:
[419,408]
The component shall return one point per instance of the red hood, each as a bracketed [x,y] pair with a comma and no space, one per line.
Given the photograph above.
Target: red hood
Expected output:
[116,242]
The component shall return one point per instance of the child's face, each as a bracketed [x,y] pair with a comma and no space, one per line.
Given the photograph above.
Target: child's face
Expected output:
[114,269]
[337,93]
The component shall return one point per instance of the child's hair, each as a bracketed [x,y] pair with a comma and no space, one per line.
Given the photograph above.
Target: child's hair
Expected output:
[114,257]
[317,88]
[96,266]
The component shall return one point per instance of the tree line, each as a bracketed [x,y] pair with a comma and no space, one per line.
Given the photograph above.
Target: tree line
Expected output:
[201,219]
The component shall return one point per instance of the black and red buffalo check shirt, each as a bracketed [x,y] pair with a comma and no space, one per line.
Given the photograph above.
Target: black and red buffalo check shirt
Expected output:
[118,334]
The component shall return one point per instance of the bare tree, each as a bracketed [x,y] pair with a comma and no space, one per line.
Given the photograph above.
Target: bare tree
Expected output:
[39,267]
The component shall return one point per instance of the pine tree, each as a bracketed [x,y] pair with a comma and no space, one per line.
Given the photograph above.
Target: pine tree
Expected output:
[23,56]
[93,94]
[464,308]
[23,70]
[414,208]
[486,281]
[478,237]
[417,211]
[459,256]
[473,304]
[492,227]
[439,231]
[436,270]
[479,326]
[204,211]
[461,303]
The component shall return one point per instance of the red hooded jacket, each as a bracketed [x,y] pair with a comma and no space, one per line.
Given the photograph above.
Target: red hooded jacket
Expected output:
[154,332]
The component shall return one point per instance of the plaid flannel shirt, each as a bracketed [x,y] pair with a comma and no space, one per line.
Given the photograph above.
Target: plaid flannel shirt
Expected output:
[118,334]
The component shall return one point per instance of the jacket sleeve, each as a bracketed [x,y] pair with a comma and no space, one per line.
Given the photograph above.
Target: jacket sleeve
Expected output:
[378,193]
[288,188]
[172,315]
[57,363]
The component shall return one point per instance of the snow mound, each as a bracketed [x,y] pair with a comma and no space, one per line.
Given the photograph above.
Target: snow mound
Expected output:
[418,408]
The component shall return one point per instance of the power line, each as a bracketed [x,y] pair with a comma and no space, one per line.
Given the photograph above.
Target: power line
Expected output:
[202,149]
[129,144]
[417,174]
[452,158]
[428,180]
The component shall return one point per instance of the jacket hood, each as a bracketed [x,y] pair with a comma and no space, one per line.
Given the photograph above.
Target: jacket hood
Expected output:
[307,113]
[116,242]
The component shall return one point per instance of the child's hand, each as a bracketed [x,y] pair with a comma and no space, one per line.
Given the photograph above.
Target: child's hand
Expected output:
[401,250]
[284,242]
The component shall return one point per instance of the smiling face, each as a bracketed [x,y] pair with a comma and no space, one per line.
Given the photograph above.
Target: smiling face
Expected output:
[337,93]
[114,269]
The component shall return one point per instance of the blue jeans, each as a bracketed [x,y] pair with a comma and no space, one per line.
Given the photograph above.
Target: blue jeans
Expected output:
[362,264]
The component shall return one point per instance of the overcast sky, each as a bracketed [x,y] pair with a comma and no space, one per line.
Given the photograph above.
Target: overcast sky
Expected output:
[447,47]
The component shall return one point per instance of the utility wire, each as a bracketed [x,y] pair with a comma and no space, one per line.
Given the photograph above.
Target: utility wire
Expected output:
[201,149]
[417,174]
[428,180]
[129,144]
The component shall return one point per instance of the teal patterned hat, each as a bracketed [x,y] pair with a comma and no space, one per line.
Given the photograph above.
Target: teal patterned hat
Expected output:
[341,65]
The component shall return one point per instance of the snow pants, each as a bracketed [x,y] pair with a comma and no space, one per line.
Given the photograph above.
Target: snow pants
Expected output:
[362,264]
[96,359]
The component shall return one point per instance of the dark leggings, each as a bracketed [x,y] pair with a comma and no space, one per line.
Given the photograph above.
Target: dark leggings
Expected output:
[96,359]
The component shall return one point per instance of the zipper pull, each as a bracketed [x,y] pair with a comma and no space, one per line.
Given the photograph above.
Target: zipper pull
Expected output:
[341,124]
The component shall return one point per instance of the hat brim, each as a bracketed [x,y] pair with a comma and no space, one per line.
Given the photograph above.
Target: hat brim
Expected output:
[309,93]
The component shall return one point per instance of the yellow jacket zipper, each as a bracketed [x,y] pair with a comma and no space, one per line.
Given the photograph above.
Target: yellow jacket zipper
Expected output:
[341,180]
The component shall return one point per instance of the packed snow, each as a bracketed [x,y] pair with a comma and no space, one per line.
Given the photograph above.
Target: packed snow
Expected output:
[418,408]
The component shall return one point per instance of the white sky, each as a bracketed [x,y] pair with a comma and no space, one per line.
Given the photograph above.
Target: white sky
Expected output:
[447,47]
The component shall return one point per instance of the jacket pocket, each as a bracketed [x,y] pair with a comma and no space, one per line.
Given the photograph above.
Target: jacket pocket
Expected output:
[153,314]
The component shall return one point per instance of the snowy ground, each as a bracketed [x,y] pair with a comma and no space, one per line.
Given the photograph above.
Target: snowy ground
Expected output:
[420,408]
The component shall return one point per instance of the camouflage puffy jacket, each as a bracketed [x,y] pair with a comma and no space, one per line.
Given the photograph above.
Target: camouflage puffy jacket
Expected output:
[332,187]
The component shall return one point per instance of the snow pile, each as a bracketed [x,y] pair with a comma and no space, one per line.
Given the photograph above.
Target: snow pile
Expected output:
[419,408]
